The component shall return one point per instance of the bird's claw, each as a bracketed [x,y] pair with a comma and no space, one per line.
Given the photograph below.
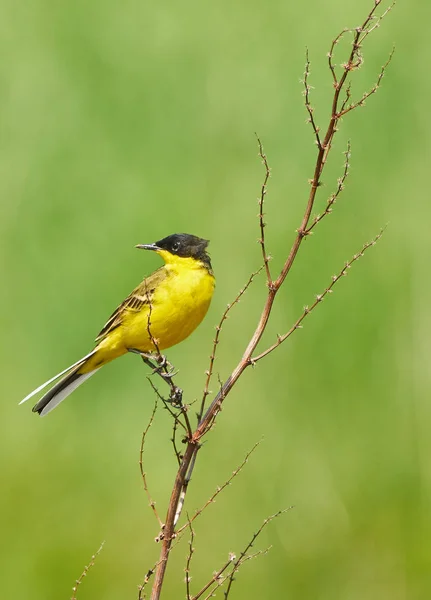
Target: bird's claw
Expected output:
[176,396]
[167,374]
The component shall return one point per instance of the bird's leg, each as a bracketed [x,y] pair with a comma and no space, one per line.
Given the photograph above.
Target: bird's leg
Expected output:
[160,365]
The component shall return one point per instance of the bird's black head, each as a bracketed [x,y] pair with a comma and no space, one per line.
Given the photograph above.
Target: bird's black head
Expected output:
[184,245]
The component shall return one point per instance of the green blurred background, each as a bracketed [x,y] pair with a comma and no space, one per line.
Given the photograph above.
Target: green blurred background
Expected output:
[124,122]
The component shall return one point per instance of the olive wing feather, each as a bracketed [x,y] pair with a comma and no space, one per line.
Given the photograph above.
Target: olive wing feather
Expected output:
[142,295]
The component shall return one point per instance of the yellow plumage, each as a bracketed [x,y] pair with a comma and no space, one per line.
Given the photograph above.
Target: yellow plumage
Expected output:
[162,311]
[183,289]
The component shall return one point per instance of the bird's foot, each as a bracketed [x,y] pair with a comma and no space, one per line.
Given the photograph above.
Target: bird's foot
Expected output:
[162,367]
[166,374]
[156,361]
[176,396]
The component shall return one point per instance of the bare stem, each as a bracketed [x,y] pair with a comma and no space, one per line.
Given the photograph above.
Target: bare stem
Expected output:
[141,466]
[333,197]
[220,489]
[243,555]
[262,224]
[339,107]
[85,571]
[189,560]
[319,299]
[216,341]
[310,109]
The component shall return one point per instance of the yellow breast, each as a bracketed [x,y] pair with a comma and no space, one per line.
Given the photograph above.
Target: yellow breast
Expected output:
[178,305]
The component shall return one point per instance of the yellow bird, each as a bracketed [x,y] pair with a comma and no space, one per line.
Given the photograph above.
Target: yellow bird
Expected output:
[162,311]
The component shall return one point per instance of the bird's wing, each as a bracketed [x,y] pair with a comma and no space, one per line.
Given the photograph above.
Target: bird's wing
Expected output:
[141,295]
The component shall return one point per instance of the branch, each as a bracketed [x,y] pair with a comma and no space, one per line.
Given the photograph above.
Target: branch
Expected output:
[346,109]
[333,197]
[243,554]
[189,560]
[319,299]
[85,571]
[262,224]
[141,466]
[219,489]
[216,341]
[310,109]
[341,89]
[236,562]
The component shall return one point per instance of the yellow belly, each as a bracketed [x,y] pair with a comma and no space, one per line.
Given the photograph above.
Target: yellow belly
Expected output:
[178,305]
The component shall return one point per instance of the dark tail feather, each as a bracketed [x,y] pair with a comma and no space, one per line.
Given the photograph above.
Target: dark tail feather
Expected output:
[60,391]
[69,382]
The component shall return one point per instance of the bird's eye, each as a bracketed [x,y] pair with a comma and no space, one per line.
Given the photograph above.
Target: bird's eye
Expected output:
[175,246]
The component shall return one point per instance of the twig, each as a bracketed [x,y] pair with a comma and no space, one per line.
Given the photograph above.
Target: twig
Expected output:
[346,109]
[243,554]
[176,421]
[262,224]
[235,562]
[377,19]
[333,197]
[185,485]
[310,109]
[178,455]
[85,571]
[218,328]
[222,579]
[319,299]
[248,358]
[216,578]
[148,575]
[219,489]
[163,368]
[167,406]
[330,54]
[141,466]
[189,559]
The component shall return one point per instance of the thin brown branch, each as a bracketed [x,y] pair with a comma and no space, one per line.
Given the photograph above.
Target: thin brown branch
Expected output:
[220,488]
[163,367]
[234,563]
[194,441]
[85,571]
[310,109]
[216,578]
[377,21]
[148,575]
[151,502]
[153,340]
[223,578]
[331,52]
[319,298]
[333,197]
[185,485]
[189,560]
[348,92]
[243,554]
[265,256]
[347,108]
[177,452]
[216,341]
[301,232]
[167,406]
[166,372]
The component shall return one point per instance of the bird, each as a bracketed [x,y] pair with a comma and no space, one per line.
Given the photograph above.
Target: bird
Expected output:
[162,311]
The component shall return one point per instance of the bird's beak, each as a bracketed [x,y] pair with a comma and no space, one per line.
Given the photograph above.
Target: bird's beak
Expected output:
[147,247]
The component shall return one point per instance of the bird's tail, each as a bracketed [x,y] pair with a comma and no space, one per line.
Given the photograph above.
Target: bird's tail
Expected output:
[71,378]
